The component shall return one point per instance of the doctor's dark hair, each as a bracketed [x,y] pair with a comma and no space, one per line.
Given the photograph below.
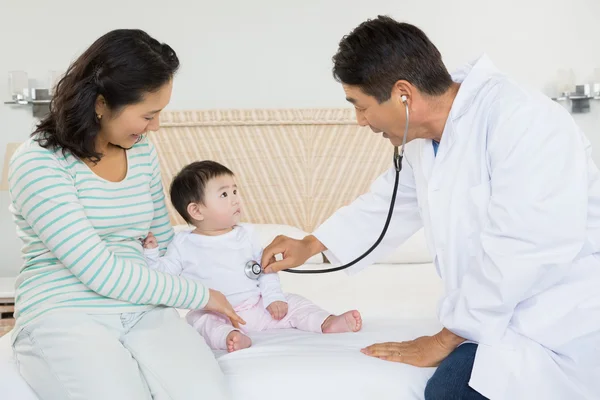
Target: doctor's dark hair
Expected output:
[122,66]
[380,52]
[189,185]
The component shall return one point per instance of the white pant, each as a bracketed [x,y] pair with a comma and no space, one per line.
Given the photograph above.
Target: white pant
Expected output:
[151,355]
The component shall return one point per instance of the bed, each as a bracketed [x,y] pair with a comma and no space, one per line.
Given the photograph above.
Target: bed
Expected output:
[296,167]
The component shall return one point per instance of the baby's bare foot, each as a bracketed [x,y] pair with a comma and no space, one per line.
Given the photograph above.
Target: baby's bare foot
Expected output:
[350,321]
[237,341]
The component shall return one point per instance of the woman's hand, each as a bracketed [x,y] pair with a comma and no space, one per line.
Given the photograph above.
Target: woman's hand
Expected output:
[426,351]
[295,252]
[218,303]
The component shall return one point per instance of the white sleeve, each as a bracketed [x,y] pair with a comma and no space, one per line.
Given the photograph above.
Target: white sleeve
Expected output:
[171,263]
[353,229]
[535,224]
[270,288]
[269,284]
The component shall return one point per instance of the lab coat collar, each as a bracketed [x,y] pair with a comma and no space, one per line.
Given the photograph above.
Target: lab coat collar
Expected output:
[472,78]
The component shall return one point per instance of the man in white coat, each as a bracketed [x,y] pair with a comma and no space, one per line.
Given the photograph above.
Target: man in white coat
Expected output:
[503,181]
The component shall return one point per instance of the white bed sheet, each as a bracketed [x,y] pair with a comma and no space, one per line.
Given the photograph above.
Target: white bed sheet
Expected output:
[398,303]
[299,366]
[296,365]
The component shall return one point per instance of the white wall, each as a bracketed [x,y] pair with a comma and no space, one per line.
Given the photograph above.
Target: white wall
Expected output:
[277,53]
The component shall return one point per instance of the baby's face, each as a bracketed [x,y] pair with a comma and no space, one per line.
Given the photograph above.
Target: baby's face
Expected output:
[222,204]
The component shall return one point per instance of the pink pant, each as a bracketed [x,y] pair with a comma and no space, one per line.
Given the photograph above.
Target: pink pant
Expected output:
[302,314]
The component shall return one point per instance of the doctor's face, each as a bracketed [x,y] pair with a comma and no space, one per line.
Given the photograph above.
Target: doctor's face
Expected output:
[387,118]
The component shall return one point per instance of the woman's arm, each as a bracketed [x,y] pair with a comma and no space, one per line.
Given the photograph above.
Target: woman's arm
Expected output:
[161,225]
[43,193]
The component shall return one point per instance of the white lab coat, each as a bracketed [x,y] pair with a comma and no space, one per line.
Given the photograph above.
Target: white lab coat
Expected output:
[511,211]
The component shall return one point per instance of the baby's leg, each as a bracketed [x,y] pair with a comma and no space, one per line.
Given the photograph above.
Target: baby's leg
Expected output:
[307,316]
[218,331]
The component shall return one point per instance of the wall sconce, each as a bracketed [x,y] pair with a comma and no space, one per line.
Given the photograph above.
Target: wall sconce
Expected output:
[22,95]
[583,94]
[581,97]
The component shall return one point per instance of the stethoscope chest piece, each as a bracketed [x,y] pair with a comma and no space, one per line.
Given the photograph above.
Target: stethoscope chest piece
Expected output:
[252,270]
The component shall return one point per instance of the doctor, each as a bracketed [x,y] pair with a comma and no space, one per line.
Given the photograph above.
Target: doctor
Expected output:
[503,181]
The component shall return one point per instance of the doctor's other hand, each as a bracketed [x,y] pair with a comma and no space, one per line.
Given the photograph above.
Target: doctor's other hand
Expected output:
[295,252]
[278,310]
[425,351]
[217,302]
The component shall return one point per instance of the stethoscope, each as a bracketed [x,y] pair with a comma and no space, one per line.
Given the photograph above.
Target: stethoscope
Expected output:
[253,269]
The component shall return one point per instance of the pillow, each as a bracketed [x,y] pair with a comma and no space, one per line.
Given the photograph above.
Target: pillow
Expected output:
[413,251]
[267,232]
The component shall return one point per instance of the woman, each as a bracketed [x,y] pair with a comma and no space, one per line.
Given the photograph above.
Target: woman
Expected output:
[90,316]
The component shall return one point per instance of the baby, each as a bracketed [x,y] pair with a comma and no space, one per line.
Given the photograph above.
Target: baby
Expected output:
[205,194]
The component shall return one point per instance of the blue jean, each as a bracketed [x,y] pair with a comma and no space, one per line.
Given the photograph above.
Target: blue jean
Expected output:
[451,379]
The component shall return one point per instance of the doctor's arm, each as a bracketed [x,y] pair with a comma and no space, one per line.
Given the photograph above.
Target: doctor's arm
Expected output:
[535,224]
[353,229]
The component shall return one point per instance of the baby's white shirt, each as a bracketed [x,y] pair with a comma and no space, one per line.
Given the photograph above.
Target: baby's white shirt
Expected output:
[218,262]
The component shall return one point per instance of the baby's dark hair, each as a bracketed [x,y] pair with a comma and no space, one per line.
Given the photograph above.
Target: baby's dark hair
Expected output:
[189,185]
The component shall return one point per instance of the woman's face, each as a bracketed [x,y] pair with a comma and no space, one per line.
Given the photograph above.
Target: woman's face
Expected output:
[125,127]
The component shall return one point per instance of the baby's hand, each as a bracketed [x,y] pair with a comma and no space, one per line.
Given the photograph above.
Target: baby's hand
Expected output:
[278,309]
[150,242]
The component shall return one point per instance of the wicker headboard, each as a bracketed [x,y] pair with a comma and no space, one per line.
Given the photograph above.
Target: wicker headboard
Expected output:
[294,167]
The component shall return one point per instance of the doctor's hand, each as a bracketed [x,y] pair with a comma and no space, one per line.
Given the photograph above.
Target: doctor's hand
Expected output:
[295,252]
[426,351]
[278,310]
[218,303]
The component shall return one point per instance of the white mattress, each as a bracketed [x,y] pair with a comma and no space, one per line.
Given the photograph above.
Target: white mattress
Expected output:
[298,365]
[397,303]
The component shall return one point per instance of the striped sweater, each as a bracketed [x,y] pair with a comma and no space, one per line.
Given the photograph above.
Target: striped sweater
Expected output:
[81,236]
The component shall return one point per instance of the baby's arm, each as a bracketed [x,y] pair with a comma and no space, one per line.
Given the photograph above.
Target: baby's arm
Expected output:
[270,288]
[170,263]
[273,298]
[269,284]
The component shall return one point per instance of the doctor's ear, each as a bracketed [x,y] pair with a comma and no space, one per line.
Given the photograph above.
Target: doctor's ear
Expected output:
[195,210]
[403,91]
